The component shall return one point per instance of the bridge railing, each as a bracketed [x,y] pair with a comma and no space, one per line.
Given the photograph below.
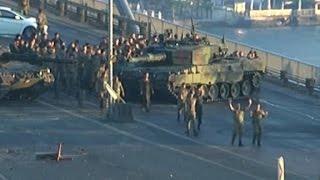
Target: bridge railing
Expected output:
[92,12]
[296,71]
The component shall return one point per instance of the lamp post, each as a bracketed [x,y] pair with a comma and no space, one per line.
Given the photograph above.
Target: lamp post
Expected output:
[251,5]
[299,5]
[110,55]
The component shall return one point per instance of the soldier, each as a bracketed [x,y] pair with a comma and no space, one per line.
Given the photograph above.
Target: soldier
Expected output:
[239,115]
[257,116]
[103,93]
[145,91]
[190,113]
[182,96]
[81,83]
[25,7]
[59,71]
[118,88]
[199,105]
[42,22]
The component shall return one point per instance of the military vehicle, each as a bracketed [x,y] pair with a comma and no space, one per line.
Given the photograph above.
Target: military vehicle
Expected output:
[221,76]
[23,81]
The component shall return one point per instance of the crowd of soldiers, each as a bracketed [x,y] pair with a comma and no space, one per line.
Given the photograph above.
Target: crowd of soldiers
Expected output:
[92,72]
[190,105]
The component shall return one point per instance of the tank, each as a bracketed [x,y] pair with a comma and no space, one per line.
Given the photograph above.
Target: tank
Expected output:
[221,76]
[23,81]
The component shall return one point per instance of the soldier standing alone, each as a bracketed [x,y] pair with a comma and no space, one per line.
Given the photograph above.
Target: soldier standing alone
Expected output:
[191,115]
[199,105]
[25,7]
[238,122]
[145,91]
[257,116]
[182,96]
[118,88]
[103,80]
[42,22]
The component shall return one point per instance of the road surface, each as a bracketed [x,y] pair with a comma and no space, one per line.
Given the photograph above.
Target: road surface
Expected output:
[155,146]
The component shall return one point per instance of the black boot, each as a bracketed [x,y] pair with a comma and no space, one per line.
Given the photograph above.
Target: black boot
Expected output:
[259,140]
[240,140]
[233,138]
[254,139]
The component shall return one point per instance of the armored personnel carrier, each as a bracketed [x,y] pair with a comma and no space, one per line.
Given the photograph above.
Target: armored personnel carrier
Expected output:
[23,81]
[222,77]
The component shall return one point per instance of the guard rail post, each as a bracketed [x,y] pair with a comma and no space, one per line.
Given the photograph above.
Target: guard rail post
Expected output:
[143,29]
[310,85]
[61,5]
[123,26]
[43,4]
[86,18]
[101,17]
[284,77]
[81,13]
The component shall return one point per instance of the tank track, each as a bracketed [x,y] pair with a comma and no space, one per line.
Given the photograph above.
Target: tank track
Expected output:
[164,92]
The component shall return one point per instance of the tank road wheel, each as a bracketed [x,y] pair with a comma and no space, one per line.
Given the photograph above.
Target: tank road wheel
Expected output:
[224,91]
[256,80]
[246,88]
[235,90]
[213,92]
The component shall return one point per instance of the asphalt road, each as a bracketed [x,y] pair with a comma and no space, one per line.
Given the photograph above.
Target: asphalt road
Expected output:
[155,146]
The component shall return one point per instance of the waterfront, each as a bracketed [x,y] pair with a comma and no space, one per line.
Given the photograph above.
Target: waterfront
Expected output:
[300,43]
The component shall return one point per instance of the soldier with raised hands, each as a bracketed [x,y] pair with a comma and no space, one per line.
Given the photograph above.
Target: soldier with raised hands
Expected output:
[257,116]
[238,120]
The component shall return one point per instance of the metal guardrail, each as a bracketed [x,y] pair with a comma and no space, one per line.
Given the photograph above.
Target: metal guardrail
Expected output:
[297,71]
[89,11]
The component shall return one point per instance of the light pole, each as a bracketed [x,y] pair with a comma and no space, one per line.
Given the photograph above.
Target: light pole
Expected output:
[299,5]
[251,5]
[110,55]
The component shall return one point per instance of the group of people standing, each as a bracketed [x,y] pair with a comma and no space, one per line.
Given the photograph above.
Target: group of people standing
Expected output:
[190,105]
[257,115]
[42,21]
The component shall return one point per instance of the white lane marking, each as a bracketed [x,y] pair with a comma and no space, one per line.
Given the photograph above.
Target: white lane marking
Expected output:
[215,147]
[291,111]
[125,133]
[3,177]
[207,145]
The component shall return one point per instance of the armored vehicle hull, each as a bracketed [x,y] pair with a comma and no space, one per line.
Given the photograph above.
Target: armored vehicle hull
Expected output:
[23,81]
[221,78]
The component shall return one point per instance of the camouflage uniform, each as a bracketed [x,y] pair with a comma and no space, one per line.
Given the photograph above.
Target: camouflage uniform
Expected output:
[238,121]
[82,79]
[191,115]
[118,88]
[25,7]
[146,90]
[257,117]
[58,72]
[199,105]
[182,96]
[42,22]
[102,80]
[104,95]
